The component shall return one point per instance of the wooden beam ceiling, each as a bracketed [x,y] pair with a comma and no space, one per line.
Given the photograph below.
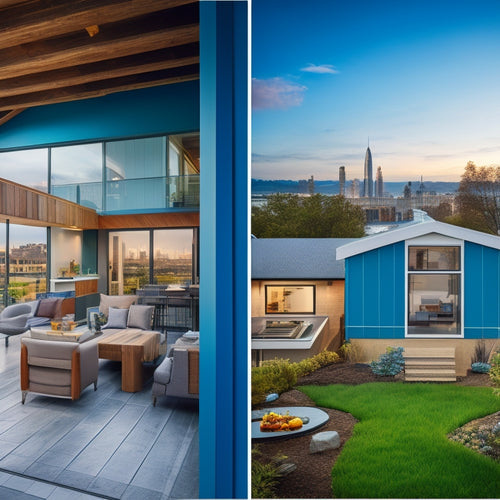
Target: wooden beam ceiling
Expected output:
[48,55]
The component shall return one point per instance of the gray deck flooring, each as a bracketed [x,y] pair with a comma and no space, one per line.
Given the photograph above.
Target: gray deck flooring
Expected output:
[108,443]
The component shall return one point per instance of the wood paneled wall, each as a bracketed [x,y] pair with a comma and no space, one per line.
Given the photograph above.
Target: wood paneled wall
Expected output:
[23,205]
[176,219]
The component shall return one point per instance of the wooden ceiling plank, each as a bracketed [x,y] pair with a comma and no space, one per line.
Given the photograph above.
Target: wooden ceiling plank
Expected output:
[99,89]
[100,51]
[10,114]
[25,23]
[83,74]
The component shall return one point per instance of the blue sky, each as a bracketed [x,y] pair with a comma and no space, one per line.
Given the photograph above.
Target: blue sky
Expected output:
[421,80]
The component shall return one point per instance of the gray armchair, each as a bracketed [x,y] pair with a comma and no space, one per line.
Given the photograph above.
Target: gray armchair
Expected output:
[56,368]
[13,320]
[178,375]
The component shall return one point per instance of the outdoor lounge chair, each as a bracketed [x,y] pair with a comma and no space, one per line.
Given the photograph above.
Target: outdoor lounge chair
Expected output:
[57,368]
[14,319]
[178,375]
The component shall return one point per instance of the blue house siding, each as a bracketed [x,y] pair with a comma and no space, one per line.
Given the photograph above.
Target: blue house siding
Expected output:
[375,291]
[481,291]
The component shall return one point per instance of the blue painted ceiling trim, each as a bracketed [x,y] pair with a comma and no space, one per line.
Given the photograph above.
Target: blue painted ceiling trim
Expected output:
[167,109]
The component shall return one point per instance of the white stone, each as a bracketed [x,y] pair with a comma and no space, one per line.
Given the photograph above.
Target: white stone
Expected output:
[328,440]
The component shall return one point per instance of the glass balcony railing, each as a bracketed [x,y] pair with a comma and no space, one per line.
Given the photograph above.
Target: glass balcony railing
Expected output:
[181,191]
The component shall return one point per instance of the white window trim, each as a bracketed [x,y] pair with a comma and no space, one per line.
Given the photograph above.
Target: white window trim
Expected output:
[435,240]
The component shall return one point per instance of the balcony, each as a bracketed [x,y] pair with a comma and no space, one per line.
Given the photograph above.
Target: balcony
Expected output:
[155,193]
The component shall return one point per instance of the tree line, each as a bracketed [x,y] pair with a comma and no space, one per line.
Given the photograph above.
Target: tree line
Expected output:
[477,206]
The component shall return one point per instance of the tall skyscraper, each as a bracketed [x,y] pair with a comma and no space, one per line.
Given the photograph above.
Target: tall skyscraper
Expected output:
[368,181]
[342,181]
[355,188]
[379,184]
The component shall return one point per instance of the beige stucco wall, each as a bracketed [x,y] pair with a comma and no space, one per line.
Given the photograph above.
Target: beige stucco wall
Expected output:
[329,302]
[370,349]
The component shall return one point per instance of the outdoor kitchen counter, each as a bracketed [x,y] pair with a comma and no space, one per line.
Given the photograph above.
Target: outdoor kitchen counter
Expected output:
[318,323]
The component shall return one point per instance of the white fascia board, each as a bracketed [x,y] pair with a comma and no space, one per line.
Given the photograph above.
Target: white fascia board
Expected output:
[396,235]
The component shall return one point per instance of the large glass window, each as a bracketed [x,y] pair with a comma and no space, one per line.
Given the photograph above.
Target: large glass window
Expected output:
[27,262]
[28,167]
[173,257]
[434,296]
[135,174]
[129,261]
[76,174]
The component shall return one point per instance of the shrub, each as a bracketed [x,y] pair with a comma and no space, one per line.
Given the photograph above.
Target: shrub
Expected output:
[279,375]
[480,367]
[264,477]
[350,352]
[495,371]
[309,365]
[390,363]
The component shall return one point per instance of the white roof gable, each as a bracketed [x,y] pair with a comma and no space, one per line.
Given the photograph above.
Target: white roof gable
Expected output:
[388,238]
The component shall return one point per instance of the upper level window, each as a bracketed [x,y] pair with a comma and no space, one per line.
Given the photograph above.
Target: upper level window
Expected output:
[434,259]
[28,167]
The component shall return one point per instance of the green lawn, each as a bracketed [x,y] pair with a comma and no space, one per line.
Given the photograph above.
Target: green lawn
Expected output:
[399,448]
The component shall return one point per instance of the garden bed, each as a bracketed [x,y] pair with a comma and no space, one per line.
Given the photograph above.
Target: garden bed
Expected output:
[312,477]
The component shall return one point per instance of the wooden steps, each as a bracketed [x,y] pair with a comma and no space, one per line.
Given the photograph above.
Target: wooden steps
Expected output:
[430,364]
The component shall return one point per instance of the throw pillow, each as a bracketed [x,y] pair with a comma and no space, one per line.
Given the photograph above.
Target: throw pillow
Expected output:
[118,301]
[117,318]
[49,308]
[140,317]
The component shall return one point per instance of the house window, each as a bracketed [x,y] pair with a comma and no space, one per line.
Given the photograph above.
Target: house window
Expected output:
[434,290]
[295,299]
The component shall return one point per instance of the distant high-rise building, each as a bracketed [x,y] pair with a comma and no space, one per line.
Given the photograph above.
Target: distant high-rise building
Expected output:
[310,185]
[379,184]
[355,188]
[368,180]
[342,181]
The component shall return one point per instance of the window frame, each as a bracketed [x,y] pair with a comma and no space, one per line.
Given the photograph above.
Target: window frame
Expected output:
[290,285]
[435,240]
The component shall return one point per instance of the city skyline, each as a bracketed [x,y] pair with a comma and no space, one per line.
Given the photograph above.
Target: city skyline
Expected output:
[418,80]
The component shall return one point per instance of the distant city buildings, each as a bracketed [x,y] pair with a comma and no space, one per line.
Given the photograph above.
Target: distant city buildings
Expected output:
[342,181]
[354,191]
[368,180]
[379,183]
[310,185]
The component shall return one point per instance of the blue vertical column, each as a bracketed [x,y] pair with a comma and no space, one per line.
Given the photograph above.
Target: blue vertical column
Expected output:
[224,243]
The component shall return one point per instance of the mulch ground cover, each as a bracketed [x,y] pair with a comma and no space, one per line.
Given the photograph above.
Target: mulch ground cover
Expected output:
[312,476]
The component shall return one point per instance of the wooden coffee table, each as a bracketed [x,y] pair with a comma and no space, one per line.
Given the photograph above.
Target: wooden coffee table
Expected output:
[132,347]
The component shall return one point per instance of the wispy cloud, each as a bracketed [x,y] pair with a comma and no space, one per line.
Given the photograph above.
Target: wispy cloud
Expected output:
[321,69]
[276,93]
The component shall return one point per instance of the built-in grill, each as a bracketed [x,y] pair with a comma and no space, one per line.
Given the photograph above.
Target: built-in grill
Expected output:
[283,330]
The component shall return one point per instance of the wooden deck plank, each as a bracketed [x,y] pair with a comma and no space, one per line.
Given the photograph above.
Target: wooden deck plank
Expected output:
[93,458]
[135,447]
[163,460]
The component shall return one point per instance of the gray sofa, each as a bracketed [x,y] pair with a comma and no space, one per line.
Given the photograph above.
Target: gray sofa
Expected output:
[178,374]
[13,320]
[18,318]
